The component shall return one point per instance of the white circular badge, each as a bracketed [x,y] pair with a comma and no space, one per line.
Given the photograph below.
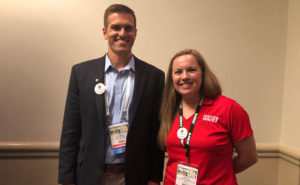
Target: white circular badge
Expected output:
[100,88]
[182,133]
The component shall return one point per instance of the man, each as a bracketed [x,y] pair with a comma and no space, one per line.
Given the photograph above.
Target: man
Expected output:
[111,117]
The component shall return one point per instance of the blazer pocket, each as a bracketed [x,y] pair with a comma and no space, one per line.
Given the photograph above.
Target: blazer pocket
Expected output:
[80,156]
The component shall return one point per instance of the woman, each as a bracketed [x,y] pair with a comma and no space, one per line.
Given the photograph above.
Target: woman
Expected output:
[200,128]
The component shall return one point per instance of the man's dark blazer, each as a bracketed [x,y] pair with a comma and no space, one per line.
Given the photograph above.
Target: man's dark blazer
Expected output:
[84,133]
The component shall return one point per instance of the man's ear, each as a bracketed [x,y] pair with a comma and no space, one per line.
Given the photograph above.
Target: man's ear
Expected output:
[104,31]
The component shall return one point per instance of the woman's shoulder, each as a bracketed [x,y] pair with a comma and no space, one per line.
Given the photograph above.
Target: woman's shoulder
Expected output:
[227,102]
[231,103]
[223,100]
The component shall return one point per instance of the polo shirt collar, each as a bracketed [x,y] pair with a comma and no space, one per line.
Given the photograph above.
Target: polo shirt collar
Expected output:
[208,102]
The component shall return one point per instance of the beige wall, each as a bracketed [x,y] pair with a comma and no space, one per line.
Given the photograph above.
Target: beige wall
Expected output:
[251,45]
[291,103]
[243,41]
[263,173]
[29,171]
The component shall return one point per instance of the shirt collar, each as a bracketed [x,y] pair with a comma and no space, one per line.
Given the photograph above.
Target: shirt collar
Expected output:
[208,102]
[130,65]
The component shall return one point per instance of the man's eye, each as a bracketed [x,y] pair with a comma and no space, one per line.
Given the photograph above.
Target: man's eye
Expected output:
[116,27]
[128,28]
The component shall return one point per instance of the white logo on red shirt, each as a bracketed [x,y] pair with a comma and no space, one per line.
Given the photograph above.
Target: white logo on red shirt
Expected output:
[210,118]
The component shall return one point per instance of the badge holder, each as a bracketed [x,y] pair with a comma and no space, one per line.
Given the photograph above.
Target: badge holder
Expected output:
[118,134]
[186,174]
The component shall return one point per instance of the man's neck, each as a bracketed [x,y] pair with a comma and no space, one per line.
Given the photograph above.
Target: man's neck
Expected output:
[119,61]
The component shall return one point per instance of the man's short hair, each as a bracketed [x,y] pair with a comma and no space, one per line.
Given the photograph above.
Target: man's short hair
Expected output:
[118,8]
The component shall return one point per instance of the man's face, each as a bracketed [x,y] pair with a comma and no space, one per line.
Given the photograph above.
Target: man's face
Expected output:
[120,33]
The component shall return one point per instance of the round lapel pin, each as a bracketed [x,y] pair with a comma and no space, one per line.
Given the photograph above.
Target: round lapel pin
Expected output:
[100,88]
[182,133]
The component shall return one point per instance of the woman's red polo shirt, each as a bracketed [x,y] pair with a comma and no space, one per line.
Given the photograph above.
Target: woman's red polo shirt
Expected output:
[221,122]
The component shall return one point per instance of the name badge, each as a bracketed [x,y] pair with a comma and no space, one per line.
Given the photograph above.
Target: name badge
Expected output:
[186,175]
[118,134]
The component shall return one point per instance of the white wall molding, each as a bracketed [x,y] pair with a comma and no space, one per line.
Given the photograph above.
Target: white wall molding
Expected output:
[17,150]
[50,149]
[29,146]
[273,150]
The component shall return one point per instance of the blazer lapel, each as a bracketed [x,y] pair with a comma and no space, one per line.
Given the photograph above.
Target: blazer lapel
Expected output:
[139,83]
[98,74]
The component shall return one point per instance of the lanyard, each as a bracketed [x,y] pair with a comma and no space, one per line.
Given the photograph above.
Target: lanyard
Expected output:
[187,145]
[126,100]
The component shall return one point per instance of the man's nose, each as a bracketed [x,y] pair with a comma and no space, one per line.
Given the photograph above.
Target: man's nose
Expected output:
[122,32]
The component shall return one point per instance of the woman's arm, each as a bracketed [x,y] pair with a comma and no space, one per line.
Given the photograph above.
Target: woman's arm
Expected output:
[247,156]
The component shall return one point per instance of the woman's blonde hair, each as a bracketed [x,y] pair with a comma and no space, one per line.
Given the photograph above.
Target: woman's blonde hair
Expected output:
[210,88]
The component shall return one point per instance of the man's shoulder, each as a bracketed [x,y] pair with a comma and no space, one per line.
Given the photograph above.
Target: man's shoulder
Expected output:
[146,66]
[89,63]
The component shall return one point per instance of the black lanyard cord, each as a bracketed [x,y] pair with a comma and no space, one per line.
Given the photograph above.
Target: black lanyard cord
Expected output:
[187,145]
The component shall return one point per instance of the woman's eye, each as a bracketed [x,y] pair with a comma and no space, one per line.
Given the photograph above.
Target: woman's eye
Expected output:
[192,70]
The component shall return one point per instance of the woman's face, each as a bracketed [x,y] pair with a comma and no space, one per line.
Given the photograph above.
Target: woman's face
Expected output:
[187,76]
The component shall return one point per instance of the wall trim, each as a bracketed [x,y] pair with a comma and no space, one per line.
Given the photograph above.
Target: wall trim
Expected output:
[273,150]
[29,146]
[50,149]
[21,150]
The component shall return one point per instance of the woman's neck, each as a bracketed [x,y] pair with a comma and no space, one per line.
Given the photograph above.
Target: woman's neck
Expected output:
[189,105]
